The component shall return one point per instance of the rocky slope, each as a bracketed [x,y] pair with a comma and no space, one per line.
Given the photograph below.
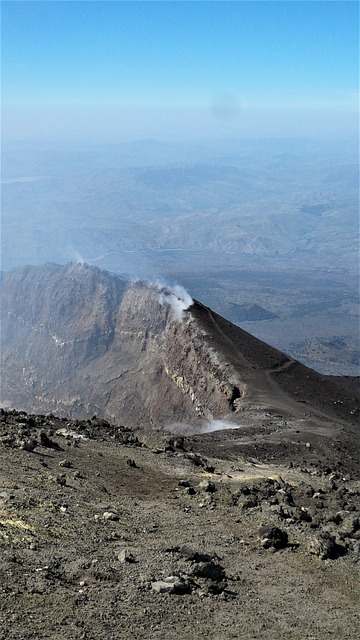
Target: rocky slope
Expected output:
[243,521]
[79,341]
[106,534]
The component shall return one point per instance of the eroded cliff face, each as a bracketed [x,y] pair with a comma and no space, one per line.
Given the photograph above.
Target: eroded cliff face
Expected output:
[200,372]
[79,341]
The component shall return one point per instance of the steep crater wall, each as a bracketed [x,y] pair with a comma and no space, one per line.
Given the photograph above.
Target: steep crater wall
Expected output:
[80,341]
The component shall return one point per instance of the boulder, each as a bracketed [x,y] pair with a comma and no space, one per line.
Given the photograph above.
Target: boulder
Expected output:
[273,537]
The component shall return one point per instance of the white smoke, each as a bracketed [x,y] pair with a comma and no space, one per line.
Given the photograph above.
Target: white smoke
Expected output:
[178,299]
[186,429]
[219,425]
[78,258]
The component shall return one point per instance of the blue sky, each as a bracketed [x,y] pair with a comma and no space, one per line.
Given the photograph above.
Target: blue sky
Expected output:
[173,70]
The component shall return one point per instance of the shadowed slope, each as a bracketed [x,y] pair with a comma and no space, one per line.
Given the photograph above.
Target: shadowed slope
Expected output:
[270,374]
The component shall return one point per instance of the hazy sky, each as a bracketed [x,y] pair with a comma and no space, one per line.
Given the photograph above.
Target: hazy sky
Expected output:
[108,71]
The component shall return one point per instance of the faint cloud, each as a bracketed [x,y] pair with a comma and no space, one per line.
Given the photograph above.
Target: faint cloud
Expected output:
[226,107]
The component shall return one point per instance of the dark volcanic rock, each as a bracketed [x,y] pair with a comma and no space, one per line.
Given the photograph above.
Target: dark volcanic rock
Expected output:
[273,537]
[209,571]
[326,547]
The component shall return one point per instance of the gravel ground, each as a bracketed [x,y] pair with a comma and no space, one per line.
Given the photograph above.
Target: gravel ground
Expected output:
[110,534]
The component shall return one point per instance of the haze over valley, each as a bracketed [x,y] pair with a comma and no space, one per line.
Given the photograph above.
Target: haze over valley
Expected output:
[265,231]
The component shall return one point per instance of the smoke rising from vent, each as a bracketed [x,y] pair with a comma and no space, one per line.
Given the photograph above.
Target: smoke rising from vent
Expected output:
[178,299]
[79,259]
[186,429]
[76,256]
[219,425]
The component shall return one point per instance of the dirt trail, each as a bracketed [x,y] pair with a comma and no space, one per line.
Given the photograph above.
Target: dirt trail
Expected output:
[272,380]
[262,391]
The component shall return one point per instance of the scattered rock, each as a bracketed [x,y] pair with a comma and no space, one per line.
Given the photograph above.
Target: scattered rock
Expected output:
[8,440]
[208,570]
[126,556]
[5,496]
[184,483]
[325,547]
[60,479]
[206,485]
[273,537]
[349,525]
[41,510]
[65,463]
[195,459]
[172,584]
[304,515]
[110,515]
[193,556]
[28,445]
[46,442]
[209,468]
[250,503]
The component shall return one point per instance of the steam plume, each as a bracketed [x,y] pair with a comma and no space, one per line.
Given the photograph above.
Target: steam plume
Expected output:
[79,258]
[178,299]
[76,255]
[219,425]
[186,429]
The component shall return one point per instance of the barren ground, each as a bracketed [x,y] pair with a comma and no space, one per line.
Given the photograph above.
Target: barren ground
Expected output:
[90,524]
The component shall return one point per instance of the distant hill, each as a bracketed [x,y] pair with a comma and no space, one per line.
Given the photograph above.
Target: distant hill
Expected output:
[251,312]
[337,352]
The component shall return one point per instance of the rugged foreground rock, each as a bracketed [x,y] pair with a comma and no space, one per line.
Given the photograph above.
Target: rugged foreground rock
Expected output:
[109,533]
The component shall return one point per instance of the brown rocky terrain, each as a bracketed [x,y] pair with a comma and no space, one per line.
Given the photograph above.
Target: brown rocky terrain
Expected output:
[226,507]
[109,533]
